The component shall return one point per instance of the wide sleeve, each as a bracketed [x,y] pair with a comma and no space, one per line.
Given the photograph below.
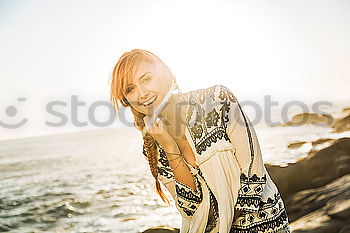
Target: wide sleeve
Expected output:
[248,155]
[186,198]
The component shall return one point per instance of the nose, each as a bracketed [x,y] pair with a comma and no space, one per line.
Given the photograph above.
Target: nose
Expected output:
[143,93]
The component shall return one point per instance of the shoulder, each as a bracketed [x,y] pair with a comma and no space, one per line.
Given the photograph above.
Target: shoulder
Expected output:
[216,92]
[212,89]
[225,93]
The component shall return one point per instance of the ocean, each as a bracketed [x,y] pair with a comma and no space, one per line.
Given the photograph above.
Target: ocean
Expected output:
[99,180]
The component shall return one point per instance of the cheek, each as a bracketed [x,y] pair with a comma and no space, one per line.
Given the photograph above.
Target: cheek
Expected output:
[132,100]
[139,108]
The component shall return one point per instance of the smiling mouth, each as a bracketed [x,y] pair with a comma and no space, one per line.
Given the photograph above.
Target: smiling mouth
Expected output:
[150,101]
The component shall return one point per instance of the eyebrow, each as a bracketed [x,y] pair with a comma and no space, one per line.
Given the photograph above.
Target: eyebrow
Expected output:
[141,77]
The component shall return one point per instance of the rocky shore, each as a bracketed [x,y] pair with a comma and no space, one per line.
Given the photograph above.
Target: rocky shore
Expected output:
[316,189]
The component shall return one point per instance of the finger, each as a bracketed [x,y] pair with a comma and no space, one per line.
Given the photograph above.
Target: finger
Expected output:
[157,121]
[161,123]
[145,120]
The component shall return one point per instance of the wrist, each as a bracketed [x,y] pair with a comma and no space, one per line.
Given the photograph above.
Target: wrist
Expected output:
[172,152]
[171,147]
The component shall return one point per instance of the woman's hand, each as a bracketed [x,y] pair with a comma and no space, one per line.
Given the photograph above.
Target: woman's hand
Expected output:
[159,132]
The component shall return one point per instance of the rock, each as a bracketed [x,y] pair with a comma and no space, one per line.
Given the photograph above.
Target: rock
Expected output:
[316,222]
[345,229]
[294,145]
[321,210]
[318,169]
[128,219]
[310,118]
[334,198]
[340,210]
[322,140]
[4,228]
[316,190]
[341,124]
[162,229]
[346,109]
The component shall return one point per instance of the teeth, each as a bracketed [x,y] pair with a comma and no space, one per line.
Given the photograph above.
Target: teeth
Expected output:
[149,101]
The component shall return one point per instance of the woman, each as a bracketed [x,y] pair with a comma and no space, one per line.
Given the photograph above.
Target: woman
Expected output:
[201,147]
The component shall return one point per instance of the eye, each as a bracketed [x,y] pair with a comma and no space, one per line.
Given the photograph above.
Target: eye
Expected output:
[146,79]
[129,89]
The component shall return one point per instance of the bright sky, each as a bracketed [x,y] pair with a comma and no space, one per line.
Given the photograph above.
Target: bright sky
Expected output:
[51,50]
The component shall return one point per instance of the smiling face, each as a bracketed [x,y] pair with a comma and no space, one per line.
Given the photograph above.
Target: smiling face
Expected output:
[147,87]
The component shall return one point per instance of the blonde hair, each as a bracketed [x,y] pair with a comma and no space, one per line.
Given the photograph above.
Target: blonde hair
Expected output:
[122,73]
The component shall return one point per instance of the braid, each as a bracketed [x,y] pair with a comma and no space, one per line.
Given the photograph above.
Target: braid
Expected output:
[150,146]
[122,74]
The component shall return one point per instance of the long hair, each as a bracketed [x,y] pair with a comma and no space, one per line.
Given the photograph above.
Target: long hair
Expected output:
[122,74]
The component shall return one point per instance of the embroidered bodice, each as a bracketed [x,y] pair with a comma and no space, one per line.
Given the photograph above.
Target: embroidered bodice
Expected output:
[230,177]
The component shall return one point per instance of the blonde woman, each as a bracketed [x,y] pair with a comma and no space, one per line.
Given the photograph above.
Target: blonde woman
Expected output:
[202,147]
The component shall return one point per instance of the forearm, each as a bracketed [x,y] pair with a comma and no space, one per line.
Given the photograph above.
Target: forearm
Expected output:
[180,170]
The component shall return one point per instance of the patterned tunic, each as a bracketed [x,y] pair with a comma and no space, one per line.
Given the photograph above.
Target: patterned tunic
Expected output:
[234,192]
